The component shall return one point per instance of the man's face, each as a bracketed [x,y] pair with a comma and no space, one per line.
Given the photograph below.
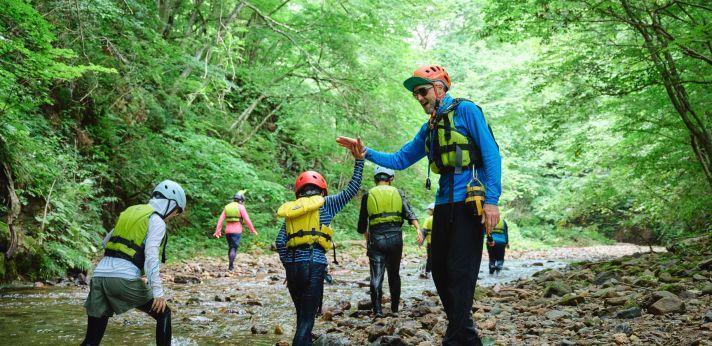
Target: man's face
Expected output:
[425,94]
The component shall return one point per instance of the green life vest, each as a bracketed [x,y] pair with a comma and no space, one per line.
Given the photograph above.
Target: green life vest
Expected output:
[127,241]
[452,151]
[428,228]
[384,205]
[232,212]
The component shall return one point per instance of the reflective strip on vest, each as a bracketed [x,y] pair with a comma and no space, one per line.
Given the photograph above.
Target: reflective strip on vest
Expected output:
[232,212]
[384,205]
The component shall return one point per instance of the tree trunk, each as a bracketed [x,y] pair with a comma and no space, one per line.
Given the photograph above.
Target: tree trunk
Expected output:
[8,190]
[657,45]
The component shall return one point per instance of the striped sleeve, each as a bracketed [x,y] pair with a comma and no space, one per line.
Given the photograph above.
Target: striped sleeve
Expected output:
[281,243]
[335,203]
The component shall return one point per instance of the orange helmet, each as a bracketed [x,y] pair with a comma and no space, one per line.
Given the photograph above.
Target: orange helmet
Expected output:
[427,75]
[310,177]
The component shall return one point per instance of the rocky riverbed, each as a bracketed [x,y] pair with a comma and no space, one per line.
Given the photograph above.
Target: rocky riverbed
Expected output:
[617,295]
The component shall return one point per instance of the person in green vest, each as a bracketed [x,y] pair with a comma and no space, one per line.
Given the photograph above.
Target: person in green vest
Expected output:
[236,215]
[427,231]
[383,210]
[497,242]
[132,249]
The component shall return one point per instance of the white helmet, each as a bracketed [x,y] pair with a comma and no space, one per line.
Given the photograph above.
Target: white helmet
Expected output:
[172,191]
[431,206]
[383,170]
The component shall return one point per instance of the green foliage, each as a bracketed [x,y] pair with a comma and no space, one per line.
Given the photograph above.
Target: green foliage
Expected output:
[99,100]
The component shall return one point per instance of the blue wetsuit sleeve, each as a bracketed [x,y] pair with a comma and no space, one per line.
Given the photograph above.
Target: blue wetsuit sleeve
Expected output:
[281,243]
[408,155]
[335,203]
[492,161]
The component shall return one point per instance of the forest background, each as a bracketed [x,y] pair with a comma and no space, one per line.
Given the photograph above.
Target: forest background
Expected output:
[601,110]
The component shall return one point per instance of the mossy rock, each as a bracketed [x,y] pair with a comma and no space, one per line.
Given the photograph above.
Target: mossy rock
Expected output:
[2,265]
[672,288]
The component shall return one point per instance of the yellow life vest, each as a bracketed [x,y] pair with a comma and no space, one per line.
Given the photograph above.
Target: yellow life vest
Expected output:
[302,223]
[499,228]
[428,228]
[384,205]
[232,212]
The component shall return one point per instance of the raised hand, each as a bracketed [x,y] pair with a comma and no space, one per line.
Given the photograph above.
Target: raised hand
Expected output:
[355,146]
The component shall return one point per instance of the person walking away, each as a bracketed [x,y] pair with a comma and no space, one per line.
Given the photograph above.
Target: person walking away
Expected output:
[132,249]
[383,210]
[497,242]
[236,215]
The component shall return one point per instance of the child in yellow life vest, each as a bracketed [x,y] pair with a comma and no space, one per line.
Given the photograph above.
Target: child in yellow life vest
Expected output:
[427,232]
[304,239]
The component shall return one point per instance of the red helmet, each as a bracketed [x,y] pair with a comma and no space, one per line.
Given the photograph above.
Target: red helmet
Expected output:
[310,177]
[427,75]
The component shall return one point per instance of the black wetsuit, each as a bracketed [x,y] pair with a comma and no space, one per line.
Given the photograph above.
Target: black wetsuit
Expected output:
[385,248]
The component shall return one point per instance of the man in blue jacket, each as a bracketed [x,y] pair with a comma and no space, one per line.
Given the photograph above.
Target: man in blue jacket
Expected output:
[461,148]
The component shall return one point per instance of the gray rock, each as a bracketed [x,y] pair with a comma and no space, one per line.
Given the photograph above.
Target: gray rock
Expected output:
[332,340]
[257,329]
[391,340]
[707,289]
[571,299]
[556,314]
[604,276]
[706,264]
[667,277]
[688,294]
[558,288]
[200,319]
[708,317]
[375,331]
[667,305]
[629,313]
[184,279]
[623,328]
[364,304]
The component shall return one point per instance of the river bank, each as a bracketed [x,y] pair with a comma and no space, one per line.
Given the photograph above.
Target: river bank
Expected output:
[212,306]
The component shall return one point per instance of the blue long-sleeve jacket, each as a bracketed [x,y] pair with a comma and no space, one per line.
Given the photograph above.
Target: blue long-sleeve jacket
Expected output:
[469,120]
[332,206]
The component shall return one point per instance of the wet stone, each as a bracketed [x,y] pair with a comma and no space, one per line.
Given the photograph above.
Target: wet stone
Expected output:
[604,276]
[629,313]
[558,288]
[364,304]
[257,329]
[391,340]
[708,317]
[667,305]
[184,279]
[332,340]
[624,328]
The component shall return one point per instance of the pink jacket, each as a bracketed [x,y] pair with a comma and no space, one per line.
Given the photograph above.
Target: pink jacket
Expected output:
[234,227]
